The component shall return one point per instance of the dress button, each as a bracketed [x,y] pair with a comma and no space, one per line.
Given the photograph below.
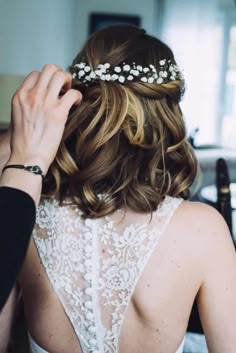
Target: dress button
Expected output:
[87,277]
[89,291]
[88,248]
[88,263]
[88,236]
[88,222]
[89,316]
[93,342]
[92,329]
[89,304]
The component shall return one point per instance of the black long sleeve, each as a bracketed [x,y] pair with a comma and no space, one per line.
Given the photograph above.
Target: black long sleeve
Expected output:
[17,218]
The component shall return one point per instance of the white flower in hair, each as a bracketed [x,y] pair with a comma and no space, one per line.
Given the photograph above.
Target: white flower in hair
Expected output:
[92,74]
[80,65]
[162,62]
[163,74]
[166,72]
[81,73]
[117,69]
[114,77]
[150,80]
[126,67]
[121,79]
[87,68]
[153,69]
[135,72]
[98,72]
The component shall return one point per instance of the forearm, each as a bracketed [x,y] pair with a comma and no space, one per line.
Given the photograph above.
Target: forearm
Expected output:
[17,212]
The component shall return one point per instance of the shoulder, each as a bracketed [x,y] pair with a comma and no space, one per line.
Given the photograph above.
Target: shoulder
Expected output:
[201,217]
[202,210]
[202,227]
[199,226]
[200,237]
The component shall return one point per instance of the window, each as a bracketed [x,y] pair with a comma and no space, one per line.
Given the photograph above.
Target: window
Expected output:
[229,96]
[204,44]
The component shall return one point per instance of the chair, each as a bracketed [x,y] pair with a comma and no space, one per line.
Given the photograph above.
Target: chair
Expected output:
[223,203]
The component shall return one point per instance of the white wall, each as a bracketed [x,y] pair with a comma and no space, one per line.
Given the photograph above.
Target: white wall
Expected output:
[146,9]
[227,3]
[34,32]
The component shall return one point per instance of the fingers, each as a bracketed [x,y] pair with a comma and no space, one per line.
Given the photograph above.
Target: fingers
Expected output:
[45,77]
[70,98]
[37,83]
[30,81]
[41,93]
[59,83]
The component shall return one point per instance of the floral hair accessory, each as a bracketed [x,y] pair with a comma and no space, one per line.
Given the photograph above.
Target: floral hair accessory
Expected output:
[124,73]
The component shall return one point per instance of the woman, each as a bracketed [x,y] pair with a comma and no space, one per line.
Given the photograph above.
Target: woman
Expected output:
[20,185]
[117,255]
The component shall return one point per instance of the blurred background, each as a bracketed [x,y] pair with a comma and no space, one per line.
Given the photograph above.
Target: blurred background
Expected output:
[201,33]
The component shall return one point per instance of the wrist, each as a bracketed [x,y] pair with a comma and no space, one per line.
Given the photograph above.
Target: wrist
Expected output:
[34,169]
[28,161]
[23,180]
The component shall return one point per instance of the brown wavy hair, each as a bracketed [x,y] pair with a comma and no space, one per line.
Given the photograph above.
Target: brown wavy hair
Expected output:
[125,144]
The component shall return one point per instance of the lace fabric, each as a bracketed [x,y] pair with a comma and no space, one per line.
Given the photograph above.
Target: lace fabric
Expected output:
[95,264]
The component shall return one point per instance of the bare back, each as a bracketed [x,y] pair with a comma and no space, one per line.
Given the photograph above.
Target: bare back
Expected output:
[110,280]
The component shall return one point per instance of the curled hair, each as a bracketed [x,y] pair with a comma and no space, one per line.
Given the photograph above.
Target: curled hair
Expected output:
[124,145]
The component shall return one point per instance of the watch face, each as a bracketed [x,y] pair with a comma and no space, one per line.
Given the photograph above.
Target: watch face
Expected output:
[35,169]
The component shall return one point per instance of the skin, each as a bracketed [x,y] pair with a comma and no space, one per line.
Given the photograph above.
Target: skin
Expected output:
[32,139]
[195,257]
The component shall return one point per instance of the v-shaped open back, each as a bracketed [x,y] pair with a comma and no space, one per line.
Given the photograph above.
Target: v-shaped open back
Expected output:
[94,265]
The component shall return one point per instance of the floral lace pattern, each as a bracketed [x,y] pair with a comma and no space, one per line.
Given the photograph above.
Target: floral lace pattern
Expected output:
[94,265]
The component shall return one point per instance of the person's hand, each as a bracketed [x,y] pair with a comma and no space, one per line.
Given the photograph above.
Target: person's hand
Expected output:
[39,114]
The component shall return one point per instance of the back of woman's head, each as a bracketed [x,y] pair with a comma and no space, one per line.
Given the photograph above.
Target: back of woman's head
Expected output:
[125,144]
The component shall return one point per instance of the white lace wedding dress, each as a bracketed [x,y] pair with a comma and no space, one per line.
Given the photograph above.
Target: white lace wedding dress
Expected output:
[94,265]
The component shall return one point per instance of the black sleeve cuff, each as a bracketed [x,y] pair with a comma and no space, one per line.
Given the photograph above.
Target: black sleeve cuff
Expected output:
[17,218]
